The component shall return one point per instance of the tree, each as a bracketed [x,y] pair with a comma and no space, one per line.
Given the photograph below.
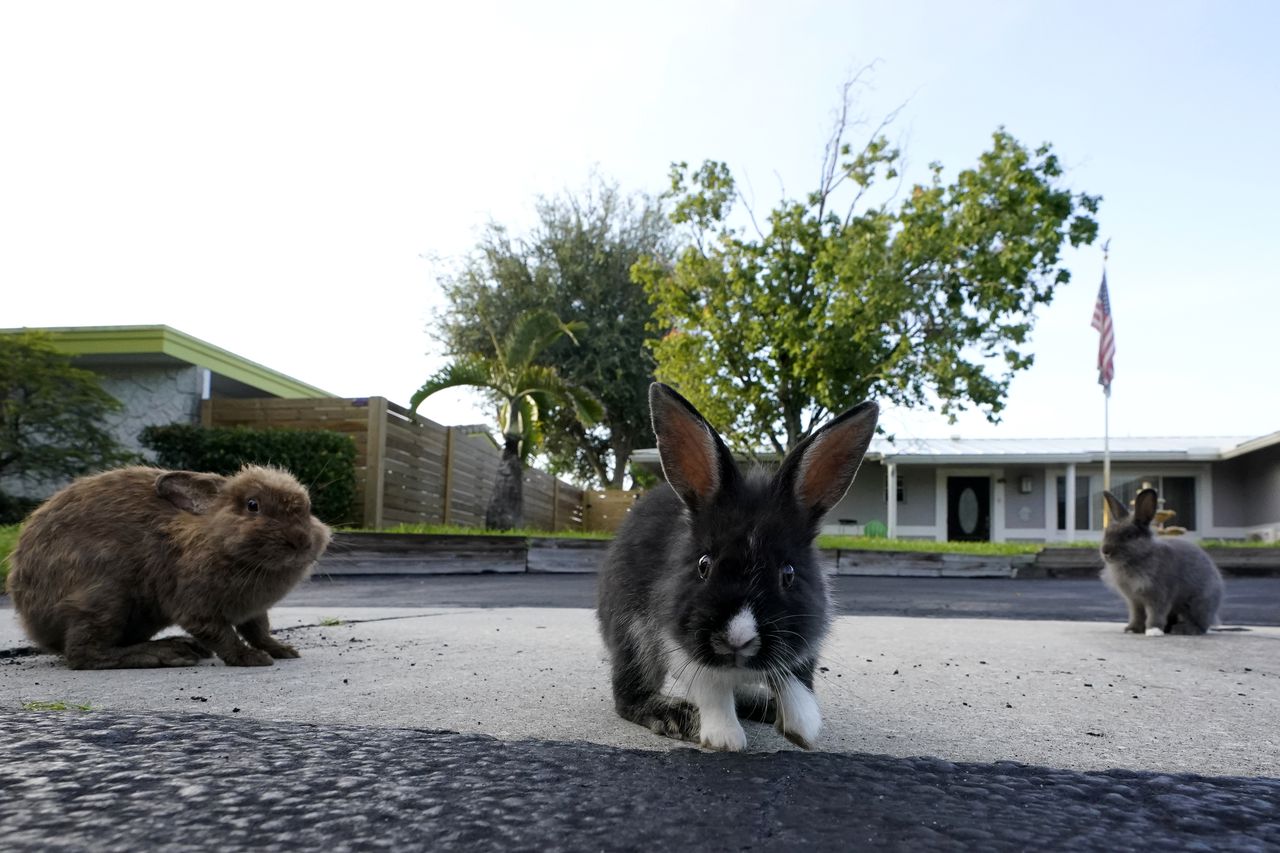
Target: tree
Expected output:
[523,389]
[577,264]
[834,299]
[51,414]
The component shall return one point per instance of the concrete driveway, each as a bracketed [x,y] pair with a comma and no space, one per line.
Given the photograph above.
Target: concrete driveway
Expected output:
[458,727]
[1079,695]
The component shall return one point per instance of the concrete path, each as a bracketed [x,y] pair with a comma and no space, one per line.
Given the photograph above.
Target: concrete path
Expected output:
[1249,601]
[452,728]
[1077,695]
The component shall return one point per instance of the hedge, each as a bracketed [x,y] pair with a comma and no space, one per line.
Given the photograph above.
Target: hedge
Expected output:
[15,510]
[322,461]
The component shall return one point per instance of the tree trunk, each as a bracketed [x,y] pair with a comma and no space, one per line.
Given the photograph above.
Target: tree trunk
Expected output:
[506,507]
[621,456]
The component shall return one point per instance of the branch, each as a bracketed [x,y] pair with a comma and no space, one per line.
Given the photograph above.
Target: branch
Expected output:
[751,213]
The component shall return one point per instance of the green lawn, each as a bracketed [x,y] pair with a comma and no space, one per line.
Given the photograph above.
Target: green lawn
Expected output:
[8,538]
[869,543]
[457,530]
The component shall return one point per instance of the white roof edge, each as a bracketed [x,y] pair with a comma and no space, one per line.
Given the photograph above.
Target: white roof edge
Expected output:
[1089,455]
[1086,458]
[1259,443]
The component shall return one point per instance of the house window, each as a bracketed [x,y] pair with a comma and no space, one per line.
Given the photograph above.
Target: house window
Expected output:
[1175,493]
[902,491]
[1082,503]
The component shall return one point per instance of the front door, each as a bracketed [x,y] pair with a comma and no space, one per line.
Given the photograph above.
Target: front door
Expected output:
[968,509]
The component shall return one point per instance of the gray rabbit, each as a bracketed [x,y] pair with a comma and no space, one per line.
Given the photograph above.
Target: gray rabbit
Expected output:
[1170,583]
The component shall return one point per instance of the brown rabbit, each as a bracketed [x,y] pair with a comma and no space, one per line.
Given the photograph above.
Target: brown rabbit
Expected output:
[115,557]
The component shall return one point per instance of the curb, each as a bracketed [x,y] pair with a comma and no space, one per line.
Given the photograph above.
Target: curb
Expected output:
[431,554]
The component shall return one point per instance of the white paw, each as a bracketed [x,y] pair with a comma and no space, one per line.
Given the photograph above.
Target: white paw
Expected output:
[726,735]
[1154,632]
[798,715]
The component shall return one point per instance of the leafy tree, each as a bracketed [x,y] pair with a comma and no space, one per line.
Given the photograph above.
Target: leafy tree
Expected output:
[51,414]
[523,390]
[834,298]
[577,264]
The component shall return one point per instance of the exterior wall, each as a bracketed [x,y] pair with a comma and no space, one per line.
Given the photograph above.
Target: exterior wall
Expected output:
[1025,512]
[1230,480]
[919,509]
[864,502]
[1246,492]
[151,396]
[866,498]
[1264,487]
[1233,499]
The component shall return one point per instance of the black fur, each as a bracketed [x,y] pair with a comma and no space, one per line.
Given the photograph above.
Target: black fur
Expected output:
[651,595]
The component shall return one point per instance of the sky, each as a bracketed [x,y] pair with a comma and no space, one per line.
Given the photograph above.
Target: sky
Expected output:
[287,180]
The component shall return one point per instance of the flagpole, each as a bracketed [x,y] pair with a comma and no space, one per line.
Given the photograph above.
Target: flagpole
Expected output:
[1106,418]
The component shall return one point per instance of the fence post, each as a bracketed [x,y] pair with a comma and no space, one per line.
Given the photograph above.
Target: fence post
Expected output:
[375,467]
[448,475]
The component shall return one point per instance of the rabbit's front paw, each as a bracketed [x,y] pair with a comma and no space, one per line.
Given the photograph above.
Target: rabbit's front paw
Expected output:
[799,719]
[1154,632]
[726,735]
[247,657]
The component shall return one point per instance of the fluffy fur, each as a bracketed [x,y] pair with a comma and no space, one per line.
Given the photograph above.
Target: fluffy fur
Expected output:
[714,581]
[114,558]
[1170,584]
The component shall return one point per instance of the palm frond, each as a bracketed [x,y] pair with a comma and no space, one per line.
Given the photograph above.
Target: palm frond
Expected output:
[585,404]
[463,372]
[533,333]
[548,383]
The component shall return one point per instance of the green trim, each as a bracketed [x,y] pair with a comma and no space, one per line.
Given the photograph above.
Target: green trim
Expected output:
[148,340]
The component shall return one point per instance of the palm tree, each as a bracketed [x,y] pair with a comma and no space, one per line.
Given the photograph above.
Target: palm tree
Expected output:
[523,390]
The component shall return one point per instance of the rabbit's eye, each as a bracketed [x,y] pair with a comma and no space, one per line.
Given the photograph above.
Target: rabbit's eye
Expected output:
[788,575]
[251,504]
[704,566]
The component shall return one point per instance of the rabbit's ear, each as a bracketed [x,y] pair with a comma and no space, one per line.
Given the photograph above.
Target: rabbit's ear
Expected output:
[821,468]
[189,491]
[694,460]
[1144,507]
[1119,512]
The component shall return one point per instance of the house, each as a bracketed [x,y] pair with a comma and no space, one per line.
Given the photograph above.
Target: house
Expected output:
[1050,490]
[160,375]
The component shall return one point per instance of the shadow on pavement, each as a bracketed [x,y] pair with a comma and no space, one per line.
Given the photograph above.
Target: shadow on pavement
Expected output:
[108,781]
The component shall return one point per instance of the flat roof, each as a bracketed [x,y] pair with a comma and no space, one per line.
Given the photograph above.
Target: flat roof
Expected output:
[1044,451]
[122,345]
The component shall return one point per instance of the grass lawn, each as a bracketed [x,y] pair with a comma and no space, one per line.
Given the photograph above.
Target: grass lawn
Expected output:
[8,538]
[869,543]
[457,530]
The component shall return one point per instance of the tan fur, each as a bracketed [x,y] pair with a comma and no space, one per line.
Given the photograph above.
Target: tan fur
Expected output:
[115,557]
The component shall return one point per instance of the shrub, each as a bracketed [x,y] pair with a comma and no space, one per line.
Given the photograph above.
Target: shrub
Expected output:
[322,461]
[15,510]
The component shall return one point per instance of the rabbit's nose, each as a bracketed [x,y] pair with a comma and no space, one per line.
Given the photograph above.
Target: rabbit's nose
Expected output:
[740,638]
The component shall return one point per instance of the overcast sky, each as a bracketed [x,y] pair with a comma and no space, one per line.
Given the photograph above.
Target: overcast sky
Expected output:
[273,177]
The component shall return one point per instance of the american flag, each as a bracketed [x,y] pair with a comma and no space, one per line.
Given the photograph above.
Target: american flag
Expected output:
[1107,337]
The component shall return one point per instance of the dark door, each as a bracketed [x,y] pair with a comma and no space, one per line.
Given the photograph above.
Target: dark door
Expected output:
[968,509]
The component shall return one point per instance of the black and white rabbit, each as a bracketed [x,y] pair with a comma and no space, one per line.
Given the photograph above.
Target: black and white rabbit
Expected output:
[714,580]
[1170,584]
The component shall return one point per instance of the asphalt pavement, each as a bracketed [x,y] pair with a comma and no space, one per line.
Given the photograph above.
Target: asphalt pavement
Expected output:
[439,724]
[1249,601]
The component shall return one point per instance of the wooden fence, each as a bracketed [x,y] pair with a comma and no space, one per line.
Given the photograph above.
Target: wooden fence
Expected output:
[409,470]
[604,510]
